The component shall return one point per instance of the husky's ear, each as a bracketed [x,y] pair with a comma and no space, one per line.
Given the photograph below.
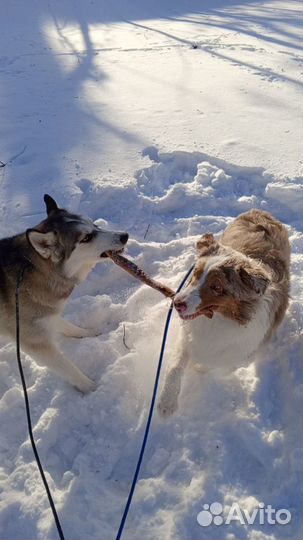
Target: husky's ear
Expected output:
[207,245]
[43,243]
[256,279]
[51,204]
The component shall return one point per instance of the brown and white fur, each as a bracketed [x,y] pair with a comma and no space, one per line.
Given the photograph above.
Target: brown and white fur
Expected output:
[56,255]
[236,298]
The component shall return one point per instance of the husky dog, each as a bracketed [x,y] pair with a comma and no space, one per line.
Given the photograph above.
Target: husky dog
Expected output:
[55,256]
[236,298]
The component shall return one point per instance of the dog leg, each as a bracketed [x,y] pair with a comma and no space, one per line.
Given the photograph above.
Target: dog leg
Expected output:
[49,356]
[168,402]
[69,329]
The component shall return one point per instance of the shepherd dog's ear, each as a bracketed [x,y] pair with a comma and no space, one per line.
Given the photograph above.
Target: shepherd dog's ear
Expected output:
[255,278]
[207,245]
[50,203]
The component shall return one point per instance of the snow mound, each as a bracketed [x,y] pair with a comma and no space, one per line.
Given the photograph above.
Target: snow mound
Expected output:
[235,436]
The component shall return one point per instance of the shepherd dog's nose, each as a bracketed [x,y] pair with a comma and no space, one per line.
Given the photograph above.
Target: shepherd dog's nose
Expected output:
[180,306]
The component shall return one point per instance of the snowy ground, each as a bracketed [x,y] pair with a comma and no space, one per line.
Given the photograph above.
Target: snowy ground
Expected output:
[166,119]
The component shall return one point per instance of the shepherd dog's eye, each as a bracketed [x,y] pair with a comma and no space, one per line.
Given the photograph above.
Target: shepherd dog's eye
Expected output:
[217,288]
[87,238]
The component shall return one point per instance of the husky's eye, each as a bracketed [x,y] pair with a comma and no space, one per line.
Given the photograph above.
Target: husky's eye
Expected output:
[87,238]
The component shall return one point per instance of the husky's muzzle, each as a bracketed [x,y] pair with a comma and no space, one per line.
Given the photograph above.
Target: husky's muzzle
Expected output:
[123,238]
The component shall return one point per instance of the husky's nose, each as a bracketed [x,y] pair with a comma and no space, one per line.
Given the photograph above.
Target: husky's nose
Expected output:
[180,306]
[123,238]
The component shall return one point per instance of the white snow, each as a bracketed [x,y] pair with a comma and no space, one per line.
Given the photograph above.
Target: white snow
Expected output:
[166,119]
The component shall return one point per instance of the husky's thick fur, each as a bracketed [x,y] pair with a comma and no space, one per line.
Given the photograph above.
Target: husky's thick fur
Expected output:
[237,296]
[56,255]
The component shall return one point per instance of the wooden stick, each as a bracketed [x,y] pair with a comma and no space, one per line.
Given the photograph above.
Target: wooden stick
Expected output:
[136,272]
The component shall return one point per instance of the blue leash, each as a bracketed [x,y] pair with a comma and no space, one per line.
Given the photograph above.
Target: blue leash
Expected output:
[150,414]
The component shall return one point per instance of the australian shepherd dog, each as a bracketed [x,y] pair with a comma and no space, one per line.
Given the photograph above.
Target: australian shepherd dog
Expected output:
[236,298]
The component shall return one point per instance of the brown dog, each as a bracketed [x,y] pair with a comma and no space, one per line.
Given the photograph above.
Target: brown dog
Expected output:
[240,284]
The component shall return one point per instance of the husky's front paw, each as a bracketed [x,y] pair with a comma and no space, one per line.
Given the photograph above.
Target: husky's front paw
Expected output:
[91,332]
[167,405]
[69,329]
[86,386]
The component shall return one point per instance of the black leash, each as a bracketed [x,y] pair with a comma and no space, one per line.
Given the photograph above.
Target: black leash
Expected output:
[29,421]
[28,414]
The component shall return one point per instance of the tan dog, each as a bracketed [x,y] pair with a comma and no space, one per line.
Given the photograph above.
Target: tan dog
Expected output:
[237,296]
